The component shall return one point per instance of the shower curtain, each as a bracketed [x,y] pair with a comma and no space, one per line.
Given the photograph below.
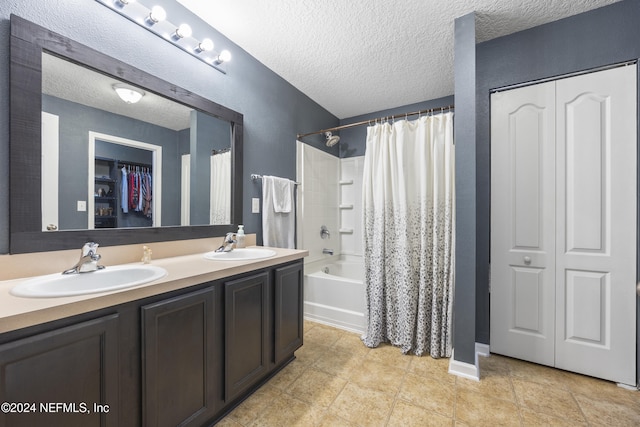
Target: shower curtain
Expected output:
[220,198]
[408,204]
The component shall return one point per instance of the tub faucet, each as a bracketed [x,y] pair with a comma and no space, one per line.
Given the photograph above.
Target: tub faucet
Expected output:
[327,251]
[88,261]
[227,244]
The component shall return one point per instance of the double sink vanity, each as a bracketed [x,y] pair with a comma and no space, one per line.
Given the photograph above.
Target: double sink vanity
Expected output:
[71,282]
[178,341]
[181,349]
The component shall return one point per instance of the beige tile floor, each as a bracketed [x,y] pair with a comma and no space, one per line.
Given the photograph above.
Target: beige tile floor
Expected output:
[337,381]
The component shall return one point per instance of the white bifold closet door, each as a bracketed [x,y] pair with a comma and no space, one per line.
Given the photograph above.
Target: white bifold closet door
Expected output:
[563,223]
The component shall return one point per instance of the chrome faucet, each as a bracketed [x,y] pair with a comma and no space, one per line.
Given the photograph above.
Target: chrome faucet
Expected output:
[327,251]
[88,261]
[227,244]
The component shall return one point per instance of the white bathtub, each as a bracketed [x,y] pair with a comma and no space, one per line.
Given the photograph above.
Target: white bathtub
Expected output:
[334,293]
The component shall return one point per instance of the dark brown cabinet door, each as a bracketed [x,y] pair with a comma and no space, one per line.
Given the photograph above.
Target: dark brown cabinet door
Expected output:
[288,306]
[65,377]
[178,374]
[246,332]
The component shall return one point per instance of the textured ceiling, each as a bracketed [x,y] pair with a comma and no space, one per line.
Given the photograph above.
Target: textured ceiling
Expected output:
[66,80]
[356,57]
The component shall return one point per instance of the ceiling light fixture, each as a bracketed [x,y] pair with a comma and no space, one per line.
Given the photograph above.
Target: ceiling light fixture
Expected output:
[128,94]
[154,19]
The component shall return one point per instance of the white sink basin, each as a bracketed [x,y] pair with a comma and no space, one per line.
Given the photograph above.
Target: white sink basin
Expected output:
[108,279]
[242,254]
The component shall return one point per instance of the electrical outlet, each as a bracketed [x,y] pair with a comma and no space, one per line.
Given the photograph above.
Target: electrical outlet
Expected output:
[82,206]
[255,205]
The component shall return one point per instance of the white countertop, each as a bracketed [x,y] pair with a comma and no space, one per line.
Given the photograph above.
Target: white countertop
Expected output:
[182,271]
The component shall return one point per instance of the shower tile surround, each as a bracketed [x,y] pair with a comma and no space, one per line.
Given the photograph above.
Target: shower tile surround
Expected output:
[337,381]
[350,188]
[331,195]
[317,201]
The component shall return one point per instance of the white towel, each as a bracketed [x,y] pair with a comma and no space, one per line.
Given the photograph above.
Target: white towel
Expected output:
[282,194]
[278,215]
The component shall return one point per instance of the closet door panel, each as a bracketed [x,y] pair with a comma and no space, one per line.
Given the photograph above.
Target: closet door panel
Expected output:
[596,224]
[587,173]
[586,302]
[522,223]
[527,290]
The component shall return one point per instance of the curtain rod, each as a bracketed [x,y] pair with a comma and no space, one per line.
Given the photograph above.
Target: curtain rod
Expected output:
[392,117]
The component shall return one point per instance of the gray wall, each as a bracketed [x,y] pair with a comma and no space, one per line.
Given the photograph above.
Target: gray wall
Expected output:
[75,121]
[353,140]
[596,38]
[274,111]
[207,134]
[466,200]
[122,153]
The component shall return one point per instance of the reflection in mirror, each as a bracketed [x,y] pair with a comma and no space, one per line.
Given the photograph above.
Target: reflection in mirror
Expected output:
[108,163]
[125,183]
[68,188]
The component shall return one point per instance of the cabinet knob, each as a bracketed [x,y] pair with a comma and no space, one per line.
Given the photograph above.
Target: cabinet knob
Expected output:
[527,260]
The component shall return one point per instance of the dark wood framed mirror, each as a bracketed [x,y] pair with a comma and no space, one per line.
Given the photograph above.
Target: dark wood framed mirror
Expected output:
[29,42]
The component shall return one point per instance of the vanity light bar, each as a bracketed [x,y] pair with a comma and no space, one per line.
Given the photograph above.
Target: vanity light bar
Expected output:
[154,20]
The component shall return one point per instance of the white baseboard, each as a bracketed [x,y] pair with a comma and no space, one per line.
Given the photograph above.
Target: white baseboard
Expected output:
[463,369]
[628,387]
[482,350]
[467,370]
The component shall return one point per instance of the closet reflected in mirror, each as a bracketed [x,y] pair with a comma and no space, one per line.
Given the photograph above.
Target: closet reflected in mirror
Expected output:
[116,162]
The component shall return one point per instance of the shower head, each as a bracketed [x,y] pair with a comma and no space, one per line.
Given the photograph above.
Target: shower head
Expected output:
[331,139]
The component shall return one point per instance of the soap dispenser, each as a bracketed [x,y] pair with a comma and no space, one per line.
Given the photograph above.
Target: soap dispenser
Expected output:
[240,237]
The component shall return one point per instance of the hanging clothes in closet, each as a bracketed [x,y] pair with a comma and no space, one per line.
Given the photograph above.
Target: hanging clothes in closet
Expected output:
[124,190]
[134,189]
[136,194]
[146,193]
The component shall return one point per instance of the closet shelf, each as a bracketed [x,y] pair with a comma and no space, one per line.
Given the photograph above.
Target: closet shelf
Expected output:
[346,231]
[104,179]
[346,206]
[346,182]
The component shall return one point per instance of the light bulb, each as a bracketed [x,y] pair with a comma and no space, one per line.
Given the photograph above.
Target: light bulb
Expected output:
[225,56]
[157,14]
[184,30]
[205,45]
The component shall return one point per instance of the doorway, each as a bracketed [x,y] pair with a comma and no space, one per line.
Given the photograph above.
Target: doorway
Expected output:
[156,156]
